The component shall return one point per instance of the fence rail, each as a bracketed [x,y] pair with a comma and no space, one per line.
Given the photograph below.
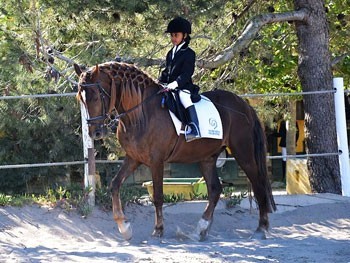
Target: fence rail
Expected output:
[71,94]
[34,96]
[35,165]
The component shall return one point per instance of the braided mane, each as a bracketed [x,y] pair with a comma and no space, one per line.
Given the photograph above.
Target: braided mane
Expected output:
[129,83]
[126,71]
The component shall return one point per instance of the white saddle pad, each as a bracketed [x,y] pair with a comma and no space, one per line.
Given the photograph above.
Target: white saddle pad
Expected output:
[210,124]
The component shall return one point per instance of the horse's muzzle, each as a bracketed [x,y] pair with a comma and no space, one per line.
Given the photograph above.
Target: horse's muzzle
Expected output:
[99,133]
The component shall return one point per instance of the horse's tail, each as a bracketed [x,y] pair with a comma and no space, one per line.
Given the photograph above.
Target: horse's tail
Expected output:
[260,158]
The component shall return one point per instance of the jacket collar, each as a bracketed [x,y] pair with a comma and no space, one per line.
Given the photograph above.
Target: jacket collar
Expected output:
[176,49]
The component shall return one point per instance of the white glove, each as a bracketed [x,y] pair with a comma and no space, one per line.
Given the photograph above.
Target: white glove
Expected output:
[173,85]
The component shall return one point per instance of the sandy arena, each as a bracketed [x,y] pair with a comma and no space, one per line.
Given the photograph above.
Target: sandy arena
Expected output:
[306,228]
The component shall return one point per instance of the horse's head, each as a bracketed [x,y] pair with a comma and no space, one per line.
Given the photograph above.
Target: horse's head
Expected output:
[96,91]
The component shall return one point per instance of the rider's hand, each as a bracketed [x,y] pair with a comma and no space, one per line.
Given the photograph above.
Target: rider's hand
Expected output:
[173,85]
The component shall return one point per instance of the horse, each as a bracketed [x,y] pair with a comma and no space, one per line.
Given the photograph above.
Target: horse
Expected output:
[146,133]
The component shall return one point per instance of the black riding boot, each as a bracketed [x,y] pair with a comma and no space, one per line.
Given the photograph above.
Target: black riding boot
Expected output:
[192,129]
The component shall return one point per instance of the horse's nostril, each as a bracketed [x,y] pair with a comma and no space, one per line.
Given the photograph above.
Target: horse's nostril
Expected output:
[99,134]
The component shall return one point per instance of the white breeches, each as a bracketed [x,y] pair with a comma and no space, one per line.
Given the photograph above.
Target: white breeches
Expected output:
[185,98]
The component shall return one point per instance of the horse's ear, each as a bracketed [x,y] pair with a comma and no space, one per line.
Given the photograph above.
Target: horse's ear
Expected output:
[77,69]
[95,72]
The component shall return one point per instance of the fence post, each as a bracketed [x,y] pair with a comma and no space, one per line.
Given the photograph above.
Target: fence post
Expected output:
[89,155]
[342,135]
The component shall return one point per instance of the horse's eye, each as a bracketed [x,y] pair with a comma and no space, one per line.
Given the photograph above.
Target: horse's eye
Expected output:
[92,95]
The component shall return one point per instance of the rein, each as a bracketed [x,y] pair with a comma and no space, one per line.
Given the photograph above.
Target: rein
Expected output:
[138,105]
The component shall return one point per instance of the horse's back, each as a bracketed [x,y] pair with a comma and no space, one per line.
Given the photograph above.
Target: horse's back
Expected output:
[225,98]
[229,104]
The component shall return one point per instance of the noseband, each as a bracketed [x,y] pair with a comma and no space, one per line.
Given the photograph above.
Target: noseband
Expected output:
[94,121]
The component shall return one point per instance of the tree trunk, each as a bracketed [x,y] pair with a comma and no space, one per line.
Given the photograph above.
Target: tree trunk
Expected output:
[315,74]
[291,128]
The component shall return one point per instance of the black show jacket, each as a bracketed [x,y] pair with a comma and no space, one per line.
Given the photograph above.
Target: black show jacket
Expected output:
[180,68]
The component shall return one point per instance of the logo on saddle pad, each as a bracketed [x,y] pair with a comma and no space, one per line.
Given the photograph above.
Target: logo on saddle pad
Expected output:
[210,124]
[214,126]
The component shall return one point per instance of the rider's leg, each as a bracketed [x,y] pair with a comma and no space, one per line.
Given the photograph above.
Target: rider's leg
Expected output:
[192,133]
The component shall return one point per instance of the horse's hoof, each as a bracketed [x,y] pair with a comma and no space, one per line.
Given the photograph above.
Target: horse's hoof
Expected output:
[259,234]
[202,229]
[125,229]
[198,236]
[203,235]
[157,232]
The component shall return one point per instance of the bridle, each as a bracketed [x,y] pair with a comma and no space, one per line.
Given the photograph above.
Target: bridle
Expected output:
[106,115]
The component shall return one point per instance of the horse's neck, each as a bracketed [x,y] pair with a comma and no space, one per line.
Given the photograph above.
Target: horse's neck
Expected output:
[133,93]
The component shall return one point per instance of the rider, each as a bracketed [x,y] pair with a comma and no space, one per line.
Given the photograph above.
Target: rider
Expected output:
[180,63]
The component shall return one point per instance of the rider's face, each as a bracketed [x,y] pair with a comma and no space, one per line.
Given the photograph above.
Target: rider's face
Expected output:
[176,38]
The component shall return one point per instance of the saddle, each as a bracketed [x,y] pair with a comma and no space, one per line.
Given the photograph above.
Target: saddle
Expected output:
[210,124]
[172,102]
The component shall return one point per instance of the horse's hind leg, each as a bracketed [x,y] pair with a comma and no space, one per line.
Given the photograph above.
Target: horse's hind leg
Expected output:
[208,169]
[261,197]
[128,166]
[249,147]
[260,185]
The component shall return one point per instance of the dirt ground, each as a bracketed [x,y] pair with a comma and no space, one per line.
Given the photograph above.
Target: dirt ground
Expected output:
[301,231]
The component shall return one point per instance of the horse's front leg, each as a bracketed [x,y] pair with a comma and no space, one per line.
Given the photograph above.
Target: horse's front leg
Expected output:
[129,165]
[158,198]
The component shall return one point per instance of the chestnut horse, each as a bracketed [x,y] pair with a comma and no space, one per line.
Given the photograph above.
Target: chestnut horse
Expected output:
[148,136]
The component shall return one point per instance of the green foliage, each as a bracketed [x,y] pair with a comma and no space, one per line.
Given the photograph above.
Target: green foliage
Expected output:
[16,200]
[98,31]
[37,131]
[73,197]
[173,198]
[232,197]
[5,200]
[131,193]
[128,194]
[104,198]
[199,196]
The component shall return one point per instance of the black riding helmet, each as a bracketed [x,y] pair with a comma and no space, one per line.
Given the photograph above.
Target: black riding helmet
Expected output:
[179,24]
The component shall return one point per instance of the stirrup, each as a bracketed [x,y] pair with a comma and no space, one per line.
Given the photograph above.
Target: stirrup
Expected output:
[192,132]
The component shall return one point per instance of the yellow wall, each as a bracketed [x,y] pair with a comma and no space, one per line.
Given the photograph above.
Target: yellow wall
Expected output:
[297,177]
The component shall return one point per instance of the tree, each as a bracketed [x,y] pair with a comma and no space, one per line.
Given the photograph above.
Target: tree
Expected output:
[315,73]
